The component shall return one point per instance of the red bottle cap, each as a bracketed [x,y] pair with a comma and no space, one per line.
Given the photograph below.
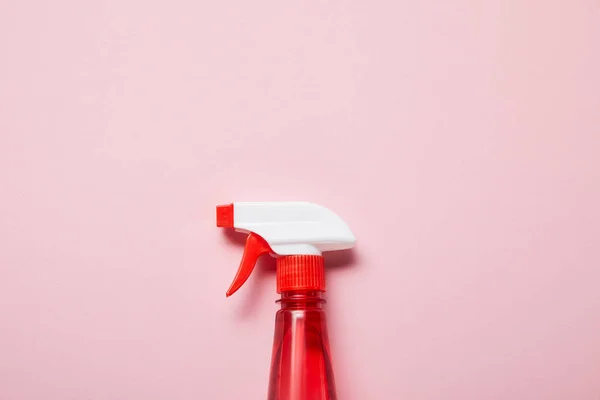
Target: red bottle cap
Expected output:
[300,272]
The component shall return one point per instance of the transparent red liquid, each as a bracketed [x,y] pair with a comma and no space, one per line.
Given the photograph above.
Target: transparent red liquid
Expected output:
[301,362]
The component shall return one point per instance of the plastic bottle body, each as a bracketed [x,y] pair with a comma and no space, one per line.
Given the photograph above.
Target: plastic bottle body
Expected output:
[301,361]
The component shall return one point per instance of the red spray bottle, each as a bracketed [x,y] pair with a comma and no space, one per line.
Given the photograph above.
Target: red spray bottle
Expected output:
[296,233]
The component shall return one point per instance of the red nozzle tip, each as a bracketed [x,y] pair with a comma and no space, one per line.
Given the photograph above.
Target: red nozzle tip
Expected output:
[225,216]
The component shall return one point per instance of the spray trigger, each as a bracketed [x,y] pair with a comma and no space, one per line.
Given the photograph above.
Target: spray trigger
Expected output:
[255,247]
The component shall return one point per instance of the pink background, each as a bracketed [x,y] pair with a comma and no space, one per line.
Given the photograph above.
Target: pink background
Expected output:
[460,140]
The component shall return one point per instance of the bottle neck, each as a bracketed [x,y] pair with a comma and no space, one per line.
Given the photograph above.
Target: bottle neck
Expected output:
[301,361]
[301,299]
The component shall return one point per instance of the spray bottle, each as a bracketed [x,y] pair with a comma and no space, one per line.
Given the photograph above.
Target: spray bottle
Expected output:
[296,233]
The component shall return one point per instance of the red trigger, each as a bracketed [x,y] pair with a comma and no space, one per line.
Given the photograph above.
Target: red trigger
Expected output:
[256,246]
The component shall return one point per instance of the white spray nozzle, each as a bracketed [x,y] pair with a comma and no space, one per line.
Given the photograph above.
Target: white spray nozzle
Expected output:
[293,227]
